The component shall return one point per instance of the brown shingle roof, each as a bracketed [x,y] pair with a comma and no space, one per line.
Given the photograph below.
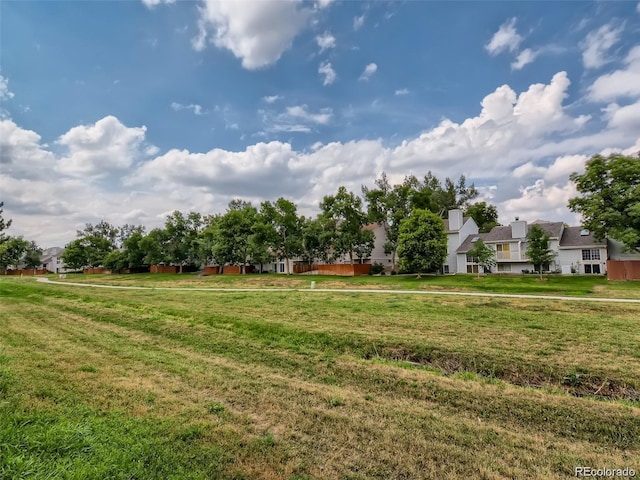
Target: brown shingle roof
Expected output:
[498,234]
[468,242]
[571,237]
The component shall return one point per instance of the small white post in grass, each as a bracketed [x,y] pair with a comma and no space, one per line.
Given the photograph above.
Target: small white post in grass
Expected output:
[313,284]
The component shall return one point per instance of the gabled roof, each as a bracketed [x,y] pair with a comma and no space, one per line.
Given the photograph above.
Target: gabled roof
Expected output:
[469,241]
[52,251]
[446,224]
[572,238]
[498,234]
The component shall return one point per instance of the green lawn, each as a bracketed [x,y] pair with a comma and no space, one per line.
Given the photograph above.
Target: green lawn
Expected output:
[157,384]
[578,285]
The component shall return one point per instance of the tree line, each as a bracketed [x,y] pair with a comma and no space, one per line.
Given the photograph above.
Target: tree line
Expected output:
[410,213]
[245,234]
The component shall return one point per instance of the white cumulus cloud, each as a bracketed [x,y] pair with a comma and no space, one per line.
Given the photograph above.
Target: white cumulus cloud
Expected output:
[525,57]
[506,38]
[328,72]
[5,93]
[358,22]
[272,98]
[153,3]
[325,41]
[597,44]
[620,83]
[106,146]
[194,107]
[402,91]
[255,31]
[369,70]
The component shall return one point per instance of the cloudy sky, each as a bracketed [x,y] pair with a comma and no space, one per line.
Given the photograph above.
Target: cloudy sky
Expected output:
[129,110]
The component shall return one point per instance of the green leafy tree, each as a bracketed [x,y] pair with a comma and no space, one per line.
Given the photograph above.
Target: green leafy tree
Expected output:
[116,260]
[344,211]
[126,231]
[86,252]
[422,244]
[32,256]
[103,229]
[135,254]
[610,198]
[234,233]
[153,247]
[538,248]
[317,238]
[430,194]
[485,215]
[4,224]
[279,228]
[74,255]
[485,255]
[12,250]
[388,206]
[176,237]
[207,239]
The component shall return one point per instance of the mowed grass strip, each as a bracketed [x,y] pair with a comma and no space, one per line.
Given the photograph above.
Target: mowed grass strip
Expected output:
[563,285]
[294,386]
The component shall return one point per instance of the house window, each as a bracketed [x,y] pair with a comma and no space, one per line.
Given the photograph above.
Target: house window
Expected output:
[503,251]
[595,269]
[282,268]
[471,259]
[504,267]
[445,269]
[472,268]
[593,254]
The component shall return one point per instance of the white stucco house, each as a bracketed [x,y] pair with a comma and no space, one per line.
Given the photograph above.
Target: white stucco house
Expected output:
[576,249]
[458,229]
[580,252]
[51,260]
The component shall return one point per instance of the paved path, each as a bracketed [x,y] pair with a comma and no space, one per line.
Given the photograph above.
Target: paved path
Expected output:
[353,290]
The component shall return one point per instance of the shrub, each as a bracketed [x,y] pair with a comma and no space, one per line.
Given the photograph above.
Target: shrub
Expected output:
[377,269]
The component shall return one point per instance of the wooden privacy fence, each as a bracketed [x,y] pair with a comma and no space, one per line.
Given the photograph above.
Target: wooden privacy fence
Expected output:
[304,267]
[623,269]
[27,271]
[237,269]
[345,270]
[90,271]
[172,268]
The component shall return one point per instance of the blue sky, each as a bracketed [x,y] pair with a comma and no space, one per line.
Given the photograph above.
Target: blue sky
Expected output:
[128,110]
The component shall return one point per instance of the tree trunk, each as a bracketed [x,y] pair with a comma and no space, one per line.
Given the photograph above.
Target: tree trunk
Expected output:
[180,268]
[351,257]
[286,265]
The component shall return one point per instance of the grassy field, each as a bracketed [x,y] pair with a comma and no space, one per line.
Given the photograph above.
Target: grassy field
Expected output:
[579,285]
[153,384]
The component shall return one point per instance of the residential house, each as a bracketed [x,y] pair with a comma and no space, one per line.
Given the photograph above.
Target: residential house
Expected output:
[510,244]
[51,260]
[458,228]
[580,252]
